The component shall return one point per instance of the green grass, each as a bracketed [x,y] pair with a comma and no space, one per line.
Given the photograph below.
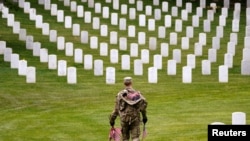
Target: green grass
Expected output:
[52,110]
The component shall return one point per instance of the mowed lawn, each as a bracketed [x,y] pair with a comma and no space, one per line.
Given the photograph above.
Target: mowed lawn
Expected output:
[52,110]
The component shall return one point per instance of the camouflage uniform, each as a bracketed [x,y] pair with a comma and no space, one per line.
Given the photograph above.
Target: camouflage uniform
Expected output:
[129,105]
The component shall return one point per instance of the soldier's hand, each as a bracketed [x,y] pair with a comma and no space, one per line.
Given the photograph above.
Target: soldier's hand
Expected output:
[144,120]
[112,123]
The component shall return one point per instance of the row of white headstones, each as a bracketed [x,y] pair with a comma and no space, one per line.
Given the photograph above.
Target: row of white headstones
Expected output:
[114,54]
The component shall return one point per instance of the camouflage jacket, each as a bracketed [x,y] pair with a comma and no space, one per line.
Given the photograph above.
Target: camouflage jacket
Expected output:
[129,104]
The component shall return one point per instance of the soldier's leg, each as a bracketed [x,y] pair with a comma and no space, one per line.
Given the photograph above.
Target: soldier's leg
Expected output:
[125,131]
[135,131]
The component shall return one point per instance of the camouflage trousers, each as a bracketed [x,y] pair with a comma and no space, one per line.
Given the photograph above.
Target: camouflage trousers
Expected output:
[130,130]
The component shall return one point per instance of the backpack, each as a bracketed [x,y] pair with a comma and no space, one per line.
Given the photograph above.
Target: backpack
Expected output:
[130,106]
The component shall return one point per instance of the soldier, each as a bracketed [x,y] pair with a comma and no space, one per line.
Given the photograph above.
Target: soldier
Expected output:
[129,104]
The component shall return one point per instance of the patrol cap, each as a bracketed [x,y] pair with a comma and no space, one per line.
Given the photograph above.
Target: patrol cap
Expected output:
[127,79]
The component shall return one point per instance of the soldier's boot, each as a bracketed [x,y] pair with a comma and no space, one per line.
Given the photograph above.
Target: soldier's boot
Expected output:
[136,139]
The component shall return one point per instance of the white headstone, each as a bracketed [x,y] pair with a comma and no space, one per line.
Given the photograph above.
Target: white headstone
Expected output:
[103,49]
[29,42]
[44,57]
[184,15]
[16,27]
[45,29]
[171,67]
[71,75]
[14,61]
[228,60]
[139,5]
[53,11]
[22,34]
[191,61]
[123,43]
[206,67]
[122,24]
[173,38]
[203,38]
[60,16]
[114,19]
[76,29]
[164,6]
[203,3]
[184,43]
[7,54]
[96,23]
[235,25]
[62,68]
[22,67]
[222,20]
[53,36]
[98,8]
[152,75]
[151,24]
[145,56]
[133,49]
[138,67]
[105,12]
[32,14]
[124,9]
[223,74]
[47,4]
[114,56]
[110,75]
[234,38]
[238,118]
[148,10]
[195,21]
[186,74]
[177,55]
[157,14]
[78,55]
[132,13]
[125,62]
[157,61]
[212,55]
[87,17]
[220,31]
[60,43]
[152,43]
[116,4]
[161,32]
[36,48]
[245,67]
[31,75]
[207,26]
[68,22]
[2,46]
[164,49]
[84,37]
[178,25]
[69,49]
[141,38]
[98,67]
[198,49]
[142,20]
[104,30]
[190,31]
[10,20]
[94,42]
[88,62]
[174,11]
[216,42]
[167,20]
[231,48]
[80,11]
[73,6]
[52,62]
[113,37]
[131,31]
